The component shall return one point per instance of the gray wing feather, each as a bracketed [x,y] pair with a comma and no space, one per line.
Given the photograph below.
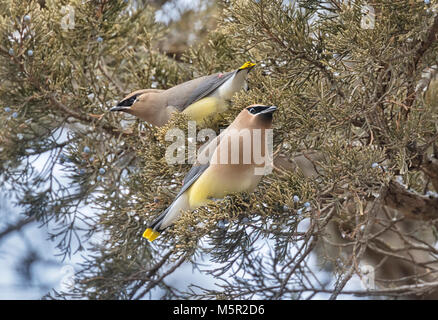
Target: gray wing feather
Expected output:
[207,87]
[155,225]
[192,176]
[189,179]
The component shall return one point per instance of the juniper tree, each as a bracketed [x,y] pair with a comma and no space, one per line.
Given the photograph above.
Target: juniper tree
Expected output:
[354,141]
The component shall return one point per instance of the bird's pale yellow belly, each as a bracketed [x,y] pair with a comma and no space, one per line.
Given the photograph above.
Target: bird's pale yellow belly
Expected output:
[216,184]
[205,107]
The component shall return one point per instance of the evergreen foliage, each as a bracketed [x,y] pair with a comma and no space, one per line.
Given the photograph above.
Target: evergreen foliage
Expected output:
[355,132]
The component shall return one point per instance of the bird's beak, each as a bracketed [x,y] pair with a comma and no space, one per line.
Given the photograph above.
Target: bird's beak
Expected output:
[271,109]
[120,108]
[117,108]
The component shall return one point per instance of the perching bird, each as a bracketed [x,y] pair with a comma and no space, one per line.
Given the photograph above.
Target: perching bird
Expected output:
[198,98]
[219,169]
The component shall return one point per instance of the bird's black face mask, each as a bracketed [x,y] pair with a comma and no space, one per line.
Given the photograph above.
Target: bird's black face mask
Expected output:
[263,111]
[128,102]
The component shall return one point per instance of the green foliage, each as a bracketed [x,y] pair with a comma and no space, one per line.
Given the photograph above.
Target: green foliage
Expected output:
[344,92]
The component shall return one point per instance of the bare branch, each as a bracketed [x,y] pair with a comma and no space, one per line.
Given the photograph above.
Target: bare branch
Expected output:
[411,204]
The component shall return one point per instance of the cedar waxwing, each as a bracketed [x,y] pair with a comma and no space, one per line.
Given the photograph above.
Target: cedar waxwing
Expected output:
[218,170]
[198,98]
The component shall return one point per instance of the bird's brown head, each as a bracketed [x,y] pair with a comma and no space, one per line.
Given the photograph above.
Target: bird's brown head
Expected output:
[127,102]
[147,104]
[260,114]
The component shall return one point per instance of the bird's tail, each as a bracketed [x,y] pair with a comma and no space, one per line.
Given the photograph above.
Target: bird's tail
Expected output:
[167,217]
[151,233]
[247,65]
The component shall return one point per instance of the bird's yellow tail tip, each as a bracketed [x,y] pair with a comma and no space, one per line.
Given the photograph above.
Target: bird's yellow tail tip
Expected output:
[150,234]
[247,64]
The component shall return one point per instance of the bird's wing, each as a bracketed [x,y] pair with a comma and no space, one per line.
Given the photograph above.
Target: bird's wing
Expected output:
[207,87]
[194,173]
